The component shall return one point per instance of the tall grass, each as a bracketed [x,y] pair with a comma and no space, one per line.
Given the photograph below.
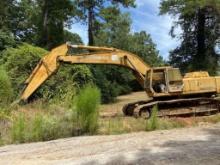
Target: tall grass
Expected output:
[18,129]
[155,123]
[86,104]
[56,123]
[37,128]
[5,88]
[152,123]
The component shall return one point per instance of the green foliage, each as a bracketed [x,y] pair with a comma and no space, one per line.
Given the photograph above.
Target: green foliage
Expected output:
[37,128]
[51,30]
[111,81]
[40,127]
[46,27]
[165,124]
[115,32]
[143,46]
[5,88]
[6,40]
[199,21]
[115,126]
[155,123]
[62,86]
[18,129]
[87,104]
[44,128]
[7,10]
[39,22]
[20,62]
[91,12]
[72,37]
[152,123]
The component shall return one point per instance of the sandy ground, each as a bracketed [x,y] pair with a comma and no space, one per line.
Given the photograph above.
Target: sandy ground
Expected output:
[194,146]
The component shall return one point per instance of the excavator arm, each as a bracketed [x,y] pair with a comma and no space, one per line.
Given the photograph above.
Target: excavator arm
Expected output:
[96,55]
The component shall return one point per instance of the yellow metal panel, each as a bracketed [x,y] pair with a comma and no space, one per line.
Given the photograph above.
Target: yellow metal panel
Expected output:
[217,81]
[99,55]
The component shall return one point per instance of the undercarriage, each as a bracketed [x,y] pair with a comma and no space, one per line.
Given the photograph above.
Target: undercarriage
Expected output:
[183,107]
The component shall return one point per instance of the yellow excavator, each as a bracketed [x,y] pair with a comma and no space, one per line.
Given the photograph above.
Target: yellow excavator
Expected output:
[195,93]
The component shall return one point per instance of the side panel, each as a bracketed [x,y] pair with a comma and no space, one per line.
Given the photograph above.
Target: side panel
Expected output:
[217,84]
[194,85]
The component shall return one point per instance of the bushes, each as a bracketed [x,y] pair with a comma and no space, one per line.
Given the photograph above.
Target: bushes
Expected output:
[62,86]
[20,61]
[6,40]
[86,105]
[111,80]
[5,88]
[54,123]
[41,126]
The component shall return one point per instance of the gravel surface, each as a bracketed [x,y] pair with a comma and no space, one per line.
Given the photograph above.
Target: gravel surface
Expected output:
[199,145]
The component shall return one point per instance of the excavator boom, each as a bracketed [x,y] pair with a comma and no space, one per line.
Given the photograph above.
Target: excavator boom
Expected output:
[95,55]
[174,95]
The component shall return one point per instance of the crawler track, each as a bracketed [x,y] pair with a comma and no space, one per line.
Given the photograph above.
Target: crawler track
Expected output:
[174,108]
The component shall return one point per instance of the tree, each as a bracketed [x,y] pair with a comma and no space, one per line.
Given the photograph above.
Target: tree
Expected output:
[55,15]
[17,19]
[143,45]
[199,21]
[115,32]
[91,13]
[72,37]
[6,40]
[6,13]
[39,22]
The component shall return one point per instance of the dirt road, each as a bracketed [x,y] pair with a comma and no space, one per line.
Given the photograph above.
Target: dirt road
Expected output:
[199,145]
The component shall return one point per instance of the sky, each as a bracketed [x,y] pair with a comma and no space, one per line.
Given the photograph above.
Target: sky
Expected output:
[145,17]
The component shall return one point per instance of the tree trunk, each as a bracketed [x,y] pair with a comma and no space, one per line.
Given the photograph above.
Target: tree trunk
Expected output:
[200,58]
[44,35]
[90,25]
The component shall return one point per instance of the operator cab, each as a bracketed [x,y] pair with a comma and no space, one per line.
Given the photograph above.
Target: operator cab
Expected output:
[163,81]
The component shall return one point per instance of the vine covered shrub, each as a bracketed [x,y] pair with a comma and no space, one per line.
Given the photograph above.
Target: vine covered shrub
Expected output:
[20,62]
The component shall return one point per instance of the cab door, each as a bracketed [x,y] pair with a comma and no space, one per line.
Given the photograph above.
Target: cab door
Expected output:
[174,80]
[148,81]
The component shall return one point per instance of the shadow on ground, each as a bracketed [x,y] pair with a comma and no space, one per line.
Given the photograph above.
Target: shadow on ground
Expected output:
[196,152]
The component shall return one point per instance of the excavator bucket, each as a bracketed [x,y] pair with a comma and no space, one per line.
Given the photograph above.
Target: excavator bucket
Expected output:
[46,67]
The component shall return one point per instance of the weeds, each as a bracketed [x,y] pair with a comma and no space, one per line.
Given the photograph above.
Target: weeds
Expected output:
[152,123]
[115,126]
[86,105]
[5,88]
[119,125]
[37,130]
[41,125]
[18,129]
